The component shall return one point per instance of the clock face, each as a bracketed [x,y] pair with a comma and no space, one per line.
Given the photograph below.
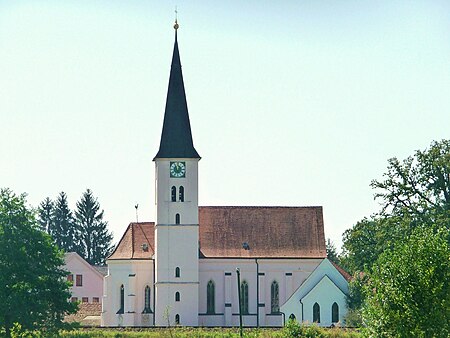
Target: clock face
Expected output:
[177,169]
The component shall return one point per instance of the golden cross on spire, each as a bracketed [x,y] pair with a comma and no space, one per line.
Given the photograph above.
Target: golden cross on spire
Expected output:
[176,19]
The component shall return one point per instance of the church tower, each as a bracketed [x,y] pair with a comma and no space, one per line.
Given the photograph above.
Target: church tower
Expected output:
[176,229]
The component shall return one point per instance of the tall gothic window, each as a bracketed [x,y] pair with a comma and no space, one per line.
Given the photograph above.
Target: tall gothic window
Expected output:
[181,194]
[274,297]
[177,296]
[174,194]
[177,319]
[147,300]
[177,219]
[122,300]
[334,313]
[244,297]
[177,272]
[316,313]
[210,297]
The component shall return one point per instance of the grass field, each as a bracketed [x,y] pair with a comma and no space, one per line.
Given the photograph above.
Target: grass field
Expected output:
[303,331]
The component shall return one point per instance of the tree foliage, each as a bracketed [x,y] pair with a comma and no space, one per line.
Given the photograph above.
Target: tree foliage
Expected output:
[83,231]
[413,193]
[94,236]
[33,288]
[408,293]
[65,231]
[45,215]
[332,253]
[419,186]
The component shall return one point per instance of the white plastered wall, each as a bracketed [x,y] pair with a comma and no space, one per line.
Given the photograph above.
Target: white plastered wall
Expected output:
[134,275]
[312,290]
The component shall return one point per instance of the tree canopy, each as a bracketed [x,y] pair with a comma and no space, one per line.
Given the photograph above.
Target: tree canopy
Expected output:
[408,293]
[34,291]
[95,238]
[415,203]
[83,231]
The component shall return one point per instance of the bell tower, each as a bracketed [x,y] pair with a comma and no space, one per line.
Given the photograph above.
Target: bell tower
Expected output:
[176,227]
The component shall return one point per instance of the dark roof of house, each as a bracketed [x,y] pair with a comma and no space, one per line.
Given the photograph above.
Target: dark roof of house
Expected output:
[241,232]
[176,136]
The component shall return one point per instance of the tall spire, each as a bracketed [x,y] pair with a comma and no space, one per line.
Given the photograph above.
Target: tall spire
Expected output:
[176,136]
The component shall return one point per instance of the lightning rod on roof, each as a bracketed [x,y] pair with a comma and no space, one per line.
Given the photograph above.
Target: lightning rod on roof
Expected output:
[136,207]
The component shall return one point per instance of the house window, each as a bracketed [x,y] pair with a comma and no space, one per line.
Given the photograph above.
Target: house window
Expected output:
[181,194]
[210,297]
[274,304]
[177,319]
[74,299]
[177,296]
[79,281]
[95,300]
[334,313]
[70,278]
[244,297]
[147,300]
[174,194]
[177,272]
[316,313]
[85,300]
[292,317]
[122,300]
[177,219]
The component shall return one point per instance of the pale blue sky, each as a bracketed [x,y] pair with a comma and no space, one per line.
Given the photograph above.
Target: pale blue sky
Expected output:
[292,103]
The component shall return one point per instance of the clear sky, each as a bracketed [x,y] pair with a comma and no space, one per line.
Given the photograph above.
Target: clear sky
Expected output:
[292,103]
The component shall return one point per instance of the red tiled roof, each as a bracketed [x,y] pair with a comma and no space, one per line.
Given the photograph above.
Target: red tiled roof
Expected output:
[133,242]
[344,273]
[272,232]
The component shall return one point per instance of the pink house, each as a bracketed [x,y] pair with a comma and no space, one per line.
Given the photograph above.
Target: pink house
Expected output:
[87,279]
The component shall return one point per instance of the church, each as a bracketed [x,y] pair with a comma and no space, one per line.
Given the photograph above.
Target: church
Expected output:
[182,269]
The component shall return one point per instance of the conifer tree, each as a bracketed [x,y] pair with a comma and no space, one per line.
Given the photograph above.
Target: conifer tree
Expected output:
[45,215]
[94,235]
[64,232]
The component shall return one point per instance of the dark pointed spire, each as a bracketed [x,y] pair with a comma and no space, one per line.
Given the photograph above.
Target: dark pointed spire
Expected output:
[176,136]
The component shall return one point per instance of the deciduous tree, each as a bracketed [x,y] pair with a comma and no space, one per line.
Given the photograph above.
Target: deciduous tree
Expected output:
[408,293]
[33,288]
[418,186]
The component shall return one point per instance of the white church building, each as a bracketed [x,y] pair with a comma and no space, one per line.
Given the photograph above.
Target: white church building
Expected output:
[182,268]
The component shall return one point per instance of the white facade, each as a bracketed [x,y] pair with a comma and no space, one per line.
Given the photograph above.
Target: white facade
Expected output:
[301,283]
[176,238]
[325,286]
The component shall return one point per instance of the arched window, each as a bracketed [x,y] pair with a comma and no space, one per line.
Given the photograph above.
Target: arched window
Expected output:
[177,296]
[244,297]
[174,194]
[181,194]
[177,219]
[210,297]
[292,317]
[177,319]
[274,303]
[177,272]
[334,313]
[122,300]
[316,313]
[147,300]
